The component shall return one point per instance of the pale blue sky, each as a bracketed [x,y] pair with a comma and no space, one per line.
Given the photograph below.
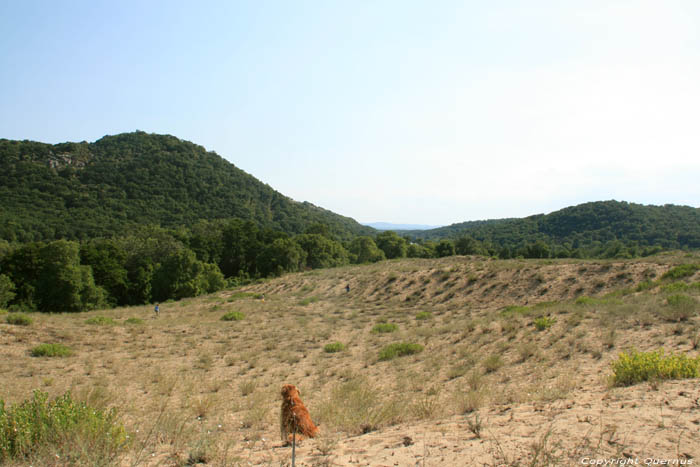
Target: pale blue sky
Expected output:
[427,112]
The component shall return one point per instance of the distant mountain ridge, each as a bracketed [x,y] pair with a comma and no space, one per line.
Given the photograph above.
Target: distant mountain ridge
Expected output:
[83,190]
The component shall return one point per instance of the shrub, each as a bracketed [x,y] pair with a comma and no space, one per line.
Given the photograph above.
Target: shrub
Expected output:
[134,321]
[68,429]
[544,322]
[423,315]
[334,347]
[380,328]
[681,271]
[51,350]
[399,349]
[636,367]
[233,316]
[19,319]
[100,321]
[492,363]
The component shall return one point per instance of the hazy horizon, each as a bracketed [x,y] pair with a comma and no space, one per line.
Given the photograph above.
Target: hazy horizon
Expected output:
[401,112]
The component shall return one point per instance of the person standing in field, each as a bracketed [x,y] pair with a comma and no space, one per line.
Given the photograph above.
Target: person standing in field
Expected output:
[156,310]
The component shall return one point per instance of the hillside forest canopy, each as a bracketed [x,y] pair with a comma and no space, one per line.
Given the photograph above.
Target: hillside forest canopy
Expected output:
[137,218]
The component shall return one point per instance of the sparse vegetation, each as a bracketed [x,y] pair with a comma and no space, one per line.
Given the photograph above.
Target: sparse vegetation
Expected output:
[544,322]
[60,431]
[19,319]
[100,321]
[399,349]
[635,367]
[382,328]
[51,350]
[233,316]
[423,315]
[213,392]
[334,347]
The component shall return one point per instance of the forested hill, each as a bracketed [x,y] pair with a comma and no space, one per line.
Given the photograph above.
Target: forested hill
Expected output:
[84,190]
[585,226]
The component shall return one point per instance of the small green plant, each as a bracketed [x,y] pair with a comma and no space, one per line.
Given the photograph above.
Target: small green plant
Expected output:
[544,322]
[100,321]
[381,328]
[334,347]
[635,367]
[134,321]
[51,350]
[65,427]
[233,316]
[399,349]
[19,319]
[423,315]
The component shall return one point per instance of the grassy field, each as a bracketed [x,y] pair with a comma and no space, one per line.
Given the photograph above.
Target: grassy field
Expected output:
[432,361]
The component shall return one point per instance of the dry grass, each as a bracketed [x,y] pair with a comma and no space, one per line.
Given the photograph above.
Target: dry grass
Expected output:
[192,388]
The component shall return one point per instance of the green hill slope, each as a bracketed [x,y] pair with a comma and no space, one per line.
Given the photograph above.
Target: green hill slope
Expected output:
[82,190]
[585,226]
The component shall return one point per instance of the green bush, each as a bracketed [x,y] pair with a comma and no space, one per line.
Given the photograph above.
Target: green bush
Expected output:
[233,316]
[681,271]
[423,315]
[100,321]
[134,321]
[544,322]
[19,319]
[381,328]
[63,429]
[399,349]
[635,367]
[51,350]
[334,347]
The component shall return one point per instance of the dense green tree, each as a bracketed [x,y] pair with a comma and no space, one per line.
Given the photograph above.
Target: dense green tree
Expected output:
[178,276]
[108,259]
[241,246]
[467,245]
[64,285]
[322,252]
[7,290]
[391,244]
[23,266]
[364,250]
[280,256]
[444,248]
[416,250]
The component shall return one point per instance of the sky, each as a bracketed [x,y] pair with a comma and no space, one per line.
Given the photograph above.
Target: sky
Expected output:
[429,112]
